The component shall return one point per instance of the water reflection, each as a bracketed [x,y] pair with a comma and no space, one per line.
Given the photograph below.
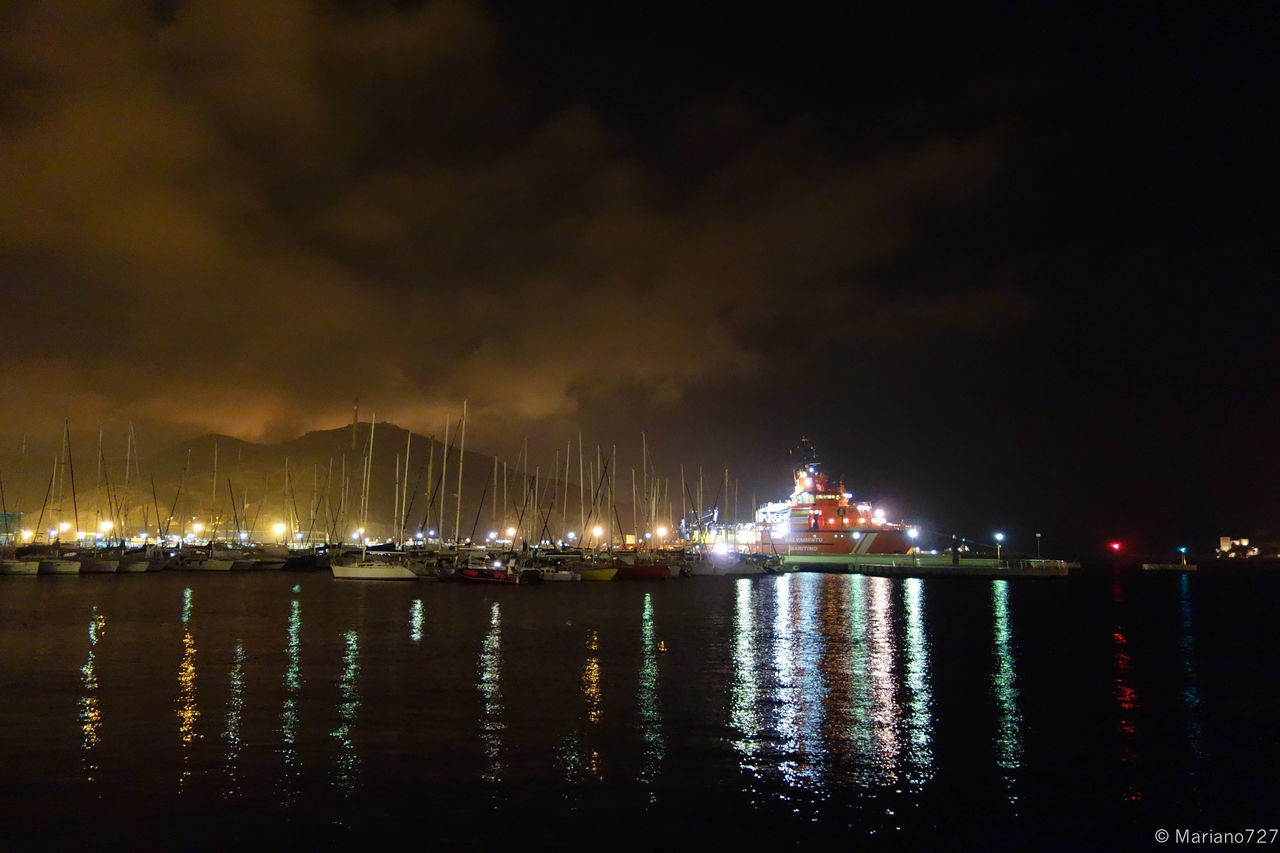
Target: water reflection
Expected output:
[858,687]
[744,715]
[188,711]
[415,620]
[290,782]
[650,711]
[490,687]
[886,714]
[1191,691]
[90,711]
[1004,687]
[920,703]
[349,704]
[235,720]
[591,679]
[1125,696]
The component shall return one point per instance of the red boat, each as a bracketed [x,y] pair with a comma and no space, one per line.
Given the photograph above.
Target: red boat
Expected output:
[822,525]
[487,569]
[636,566]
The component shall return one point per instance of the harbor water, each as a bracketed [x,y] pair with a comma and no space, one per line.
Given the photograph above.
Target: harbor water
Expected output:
[229,710]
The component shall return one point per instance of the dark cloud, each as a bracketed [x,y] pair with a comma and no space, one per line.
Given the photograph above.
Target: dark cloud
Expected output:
[238,216]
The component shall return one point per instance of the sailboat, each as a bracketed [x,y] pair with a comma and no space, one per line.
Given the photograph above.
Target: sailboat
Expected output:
[362,564]
[9,565]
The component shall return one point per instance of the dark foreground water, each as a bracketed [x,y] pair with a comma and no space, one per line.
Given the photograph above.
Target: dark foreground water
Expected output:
[188,711]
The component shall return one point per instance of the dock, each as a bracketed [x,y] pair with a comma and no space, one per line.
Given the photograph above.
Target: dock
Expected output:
[925,566]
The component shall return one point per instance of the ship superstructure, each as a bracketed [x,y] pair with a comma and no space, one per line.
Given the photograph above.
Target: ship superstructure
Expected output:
[821,525]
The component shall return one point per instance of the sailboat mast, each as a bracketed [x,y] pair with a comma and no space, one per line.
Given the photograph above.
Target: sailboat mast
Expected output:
[462,449]
[71,470]
[644,481]
[213,496]
[402,519]
[683,512]
[444,473]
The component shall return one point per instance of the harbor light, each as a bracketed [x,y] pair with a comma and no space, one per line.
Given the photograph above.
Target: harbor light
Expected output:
[64,526]
[648,536]
[571,536]
[105,526]
[493,534]
[196,528]
[913,533]
[597,531]
[244,536]
[278,527]
[27,536]
[431,532]
[355,537]
[511,533]
[1115,546]
[999,539]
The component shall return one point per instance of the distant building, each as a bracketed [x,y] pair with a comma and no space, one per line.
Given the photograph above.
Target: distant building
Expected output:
[10,527]
[1228,547]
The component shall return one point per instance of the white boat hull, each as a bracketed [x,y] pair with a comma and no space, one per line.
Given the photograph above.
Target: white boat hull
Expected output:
[128,565]
[204,565]
[372,571]
[59,567]
[90,566]
[19,567]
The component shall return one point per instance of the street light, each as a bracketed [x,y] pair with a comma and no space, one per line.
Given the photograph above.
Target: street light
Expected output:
[999,539]
[1183,551]
[278,527]
[1037,546]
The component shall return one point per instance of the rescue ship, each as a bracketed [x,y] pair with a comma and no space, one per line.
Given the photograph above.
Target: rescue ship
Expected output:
[822,527]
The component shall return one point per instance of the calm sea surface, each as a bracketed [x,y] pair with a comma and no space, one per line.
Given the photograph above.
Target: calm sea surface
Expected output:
[191,711]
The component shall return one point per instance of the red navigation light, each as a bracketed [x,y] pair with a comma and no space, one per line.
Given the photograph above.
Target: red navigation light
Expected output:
[1115,546]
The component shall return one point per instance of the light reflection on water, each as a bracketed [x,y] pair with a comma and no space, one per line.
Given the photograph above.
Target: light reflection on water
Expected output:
[290,782]
[846,698]
[188,710]
[90,710]
[1004,688]
[1191,690]
[415,620]
[578,754]
[647,697]
[235,721]
[886,714]
[744,713]
[348,706]
[811,700]
[1126,697]
[920,703]
[490,686]
[797,650]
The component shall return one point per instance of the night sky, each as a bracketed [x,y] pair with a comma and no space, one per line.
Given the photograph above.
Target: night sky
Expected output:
[1010,266]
